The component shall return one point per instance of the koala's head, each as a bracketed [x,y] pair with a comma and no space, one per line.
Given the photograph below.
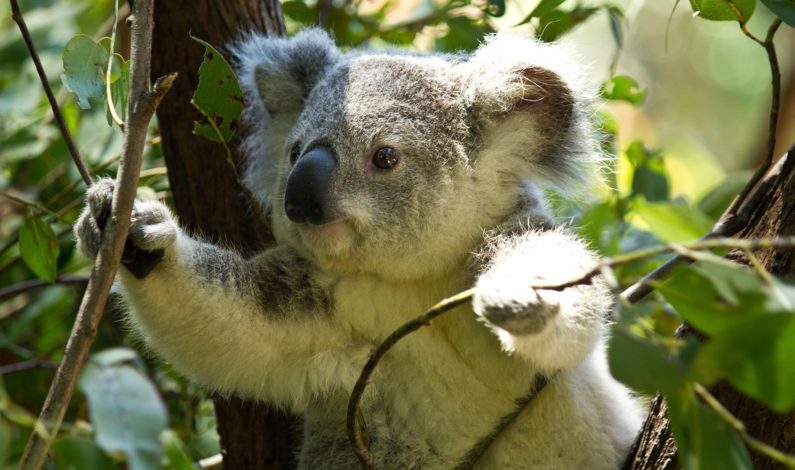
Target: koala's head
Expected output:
[396,163]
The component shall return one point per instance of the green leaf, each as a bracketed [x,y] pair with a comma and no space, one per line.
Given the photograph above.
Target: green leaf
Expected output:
[218,97]
[299,11]
[672,222]
[704,440]
[38,246]
[125,408]
[623,88]
[641,365]
[84,62]
[723,10]
[616,17]
[175,452]
[119,88]
[784,9]
[650,183]
[74,453]
[756,356]
[714,296]
[543,7]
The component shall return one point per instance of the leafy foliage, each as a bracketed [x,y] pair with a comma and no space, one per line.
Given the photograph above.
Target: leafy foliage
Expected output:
[139,413]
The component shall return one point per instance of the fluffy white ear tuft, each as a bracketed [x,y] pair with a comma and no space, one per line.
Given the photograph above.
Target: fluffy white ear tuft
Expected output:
[276,75]
[529,102]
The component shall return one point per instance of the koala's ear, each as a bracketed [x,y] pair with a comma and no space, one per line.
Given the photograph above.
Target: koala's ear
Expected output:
[281,72]
[526,102]
[276,75]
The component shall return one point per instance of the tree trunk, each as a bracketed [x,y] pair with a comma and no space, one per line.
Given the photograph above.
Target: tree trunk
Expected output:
[655,448]
[207,197]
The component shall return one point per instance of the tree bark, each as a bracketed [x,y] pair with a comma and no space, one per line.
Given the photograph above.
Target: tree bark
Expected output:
[655,448]
[207,197]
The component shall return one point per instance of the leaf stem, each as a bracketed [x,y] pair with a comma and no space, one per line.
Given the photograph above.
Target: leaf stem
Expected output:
[739,427]
[252,200]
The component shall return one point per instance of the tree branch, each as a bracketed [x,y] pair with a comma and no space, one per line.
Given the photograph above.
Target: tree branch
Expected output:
[144,99]
[24,286]
[16,14]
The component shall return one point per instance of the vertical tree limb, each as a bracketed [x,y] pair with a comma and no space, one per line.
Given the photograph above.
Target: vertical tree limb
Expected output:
[144,99]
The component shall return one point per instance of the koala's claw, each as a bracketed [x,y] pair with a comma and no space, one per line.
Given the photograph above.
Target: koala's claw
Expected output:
[516,308]
[152,229]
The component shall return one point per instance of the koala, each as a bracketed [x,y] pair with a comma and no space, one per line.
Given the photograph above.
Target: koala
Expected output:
[395,180]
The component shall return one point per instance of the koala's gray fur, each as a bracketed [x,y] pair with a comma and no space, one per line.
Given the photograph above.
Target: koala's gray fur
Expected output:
[475,138]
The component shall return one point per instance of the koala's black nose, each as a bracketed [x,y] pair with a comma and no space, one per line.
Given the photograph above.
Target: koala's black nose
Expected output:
[307,195]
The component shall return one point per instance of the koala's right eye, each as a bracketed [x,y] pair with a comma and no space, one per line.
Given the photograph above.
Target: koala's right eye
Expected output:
[295,152]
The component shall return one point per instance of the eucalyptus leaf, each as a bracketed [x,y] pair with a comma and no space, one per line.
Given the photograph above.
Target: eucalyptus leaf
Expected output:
[217,97]
[175,452]
[643,366]
[723,10]
[38,246]
[543,7]
[784,9]
[719,303]
[84,62]
[124,406]
[755,355]
[623,88]
[673,222]
[75,453]
[704,439]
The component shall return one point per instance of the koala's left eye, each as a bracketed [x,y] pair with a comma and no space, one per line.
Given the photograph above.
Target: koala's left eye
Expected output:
[385,158]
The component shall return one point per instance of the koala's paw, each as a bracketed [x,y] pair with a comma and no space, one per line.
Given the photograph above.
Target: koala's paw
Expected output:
[514,307]
[152,229]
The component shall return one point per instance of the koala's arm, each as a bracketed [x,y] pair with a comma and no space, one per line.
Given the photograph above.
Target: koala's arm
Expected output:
[261,327]
[554,330]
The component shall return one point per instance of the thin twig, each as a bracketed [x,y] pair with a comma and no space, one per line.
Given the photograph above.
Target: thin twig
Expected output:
[739,427]
[144,99]
[354,403]
[16,14]
[643,287]
[24,286]
[25,365]
[30,204]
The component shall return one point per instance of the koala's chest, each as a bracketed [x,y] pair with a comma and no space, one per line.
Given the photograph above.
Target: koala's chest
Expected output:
[428,377]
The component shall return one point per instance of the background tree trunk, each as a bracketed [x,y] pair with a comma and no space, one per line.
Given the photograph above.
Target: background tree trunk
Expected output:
[655,449]
[207,198]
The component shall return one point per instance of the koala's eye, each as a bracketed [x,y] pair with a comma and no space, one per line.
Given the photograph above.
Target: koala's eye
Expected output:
[385,158]
[295,152]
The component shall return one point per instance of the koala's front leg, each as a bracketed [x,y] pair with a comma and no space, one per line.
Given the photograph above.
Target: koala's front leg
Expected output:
[260,327]
[553,329]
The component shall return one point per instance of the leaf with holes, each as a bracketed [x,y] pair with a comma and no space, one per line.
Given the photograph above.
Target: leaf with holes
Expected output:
[724,10]
[217,97]
[38,246]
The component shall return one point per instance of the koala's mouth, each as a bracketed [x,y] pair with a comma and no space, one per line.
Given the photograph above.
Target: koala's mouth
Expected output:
[333,236]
